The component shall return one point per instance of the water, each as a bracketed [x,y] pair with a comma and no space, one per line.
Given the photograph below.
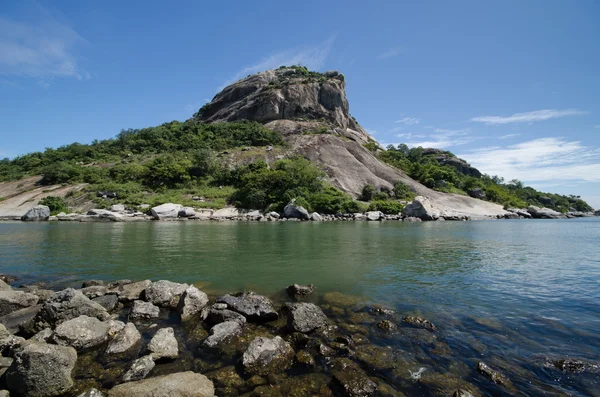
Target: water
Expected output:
[508,292]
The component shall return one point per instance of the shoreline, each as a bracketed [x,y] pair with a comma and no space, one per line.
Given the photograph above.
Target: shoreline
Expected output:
[297,342]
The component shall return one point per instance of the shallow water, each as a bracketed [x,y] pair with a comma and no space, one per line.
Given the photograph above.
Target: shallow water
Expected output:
[506,292]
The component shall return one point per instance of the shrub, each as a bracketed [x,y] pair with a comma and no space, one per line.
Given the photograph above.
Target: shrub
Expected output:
[367,192]
[402,191]
[386,206]
[56,204]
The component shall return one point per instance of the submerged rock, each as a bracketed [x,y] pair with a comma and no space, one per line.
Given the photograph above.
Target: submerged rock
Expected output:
[165,293]
[304,317]
[221,332]
[254,307]
[126,338]
[164,345]
[491,374]
[181,384]
[298,292]
[81,333]
[266,356]
[352,380]
[11,301]
[41,370]
[139,369]
[387,326]
[420,322]
[574,365]
[143,310]
[191,303]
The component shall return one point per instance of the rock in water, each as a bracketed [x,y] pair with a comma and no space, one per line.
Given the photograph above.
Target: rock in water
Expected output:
[316,217]
[109,302]
[375,215]
[124,340]
[297,291]
[420,322]
[191,303]
[11,301]
[305,317]
[421,207]
[222,332]
[143,310]
[166,211]
[295,211]
[252,306]
[266,356]
[165,293]
[181,384]
[544,213]
[139,369]
[130,291]
[164,345]
[41,370]
[491,374]
[81,333]
[37,213]
[216,316]
[91,393]
[348,376]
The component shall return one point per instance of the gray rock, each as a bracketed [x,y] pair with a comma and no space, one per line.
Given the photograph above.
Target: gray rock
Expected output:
[192,302]
[215,316]
[375,215]
[298,291]
[164,345]
[4,393]
[93,283]
[315,217]
[37,213]
[165,293]
[117,208]
[304,317]
[62,306]
[462,393]
[477,193]
[109,302]
[43,336]
[139,369]
[419,322]
[41,370]
[221,332]
[544,213]
[267,355]
[295,211]
[4,286]
[351,379]
[128,292]
[16,319]
[94,291]
[421,207]
[11,301]
[181,384]
[143,310]
[81,333]
[187,212]
[491,374]
[254,307]
[166,211]
[274,215]
[91,393]
[126,338]
[412,219]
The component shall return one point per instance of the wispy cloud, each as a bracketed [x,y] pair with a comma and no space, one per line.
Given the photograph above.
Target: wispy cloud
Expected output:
[390,53]
[313,57]
[371,132]
[541,160]
[408,121]
[597,126]
[507,136]
[528,117]
[441,138]
[44,48]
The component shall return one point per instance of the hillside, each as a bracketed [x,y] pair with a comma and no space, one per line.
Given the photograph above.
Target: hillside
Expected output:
[266,139]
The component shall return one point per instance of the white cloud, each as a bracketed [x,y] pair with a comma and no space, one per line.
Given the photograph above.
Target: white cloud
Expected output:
[597,126]
[42,49]
[441,138]
[371,132]
[408,121]
[528,117]
[541,160]
[507,136]
[390,53]
[312,57]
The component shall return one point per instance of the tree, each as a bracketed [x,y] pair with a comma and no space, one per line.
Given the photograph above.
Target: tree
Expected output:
[367,193]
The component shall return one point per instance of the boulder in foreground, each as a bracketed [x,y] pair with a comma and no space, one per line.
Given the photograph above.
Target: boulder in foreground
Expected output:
[37,213]
[166,211]
[181,384]
[267,355]
[294,211]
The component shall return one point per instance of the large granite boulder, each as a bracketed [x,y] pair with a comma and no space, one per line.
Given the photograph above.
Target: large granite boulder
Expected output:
[81,333]
[421,207]
[41,370]
[11,301]
[62,306]
[192,302]
[293,211]
[254,307]
[163,345]
[166,211]
[165,293]
[544,213]
[181,384]
[187,212]
[37,213]
[265,356]
[304,317]
[375,215]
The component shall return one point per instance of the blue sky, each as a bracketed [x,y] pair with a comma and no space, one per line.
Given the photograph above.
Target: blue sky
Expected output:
[510,86]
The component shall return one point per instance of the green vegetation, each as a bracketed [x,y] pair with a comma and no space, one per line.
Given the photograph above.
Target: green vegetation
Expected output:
[387,201]
[318,131]
[427,170]
[56,204]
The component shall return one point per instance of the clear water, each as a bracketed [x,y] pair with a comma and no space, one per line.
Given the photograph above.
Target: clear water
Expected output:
[510,292]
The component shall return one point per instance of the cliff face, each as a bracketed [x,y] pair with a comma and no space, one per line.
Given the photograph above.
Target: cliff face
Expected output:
[311,111]
[443,158]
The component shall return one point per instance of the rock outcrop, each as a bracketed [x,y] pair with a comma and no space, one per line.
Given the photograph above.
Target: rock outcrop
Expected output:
[445,158]
[37,213]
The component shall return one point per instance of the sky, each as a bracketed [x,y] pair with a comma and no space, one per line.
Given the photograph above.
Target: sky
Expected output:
[512,86]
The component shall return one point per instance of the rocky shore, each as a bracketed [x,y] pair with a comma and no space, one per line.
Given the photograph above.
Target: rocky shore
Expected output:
[163,338]
[420,209]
